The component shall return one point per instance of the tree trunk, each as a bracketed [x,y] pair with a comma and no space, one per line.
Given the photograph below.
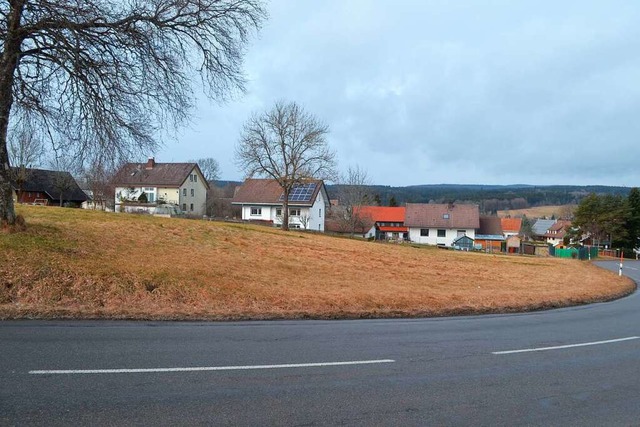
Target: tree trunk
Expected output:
[285,209]
[8,65]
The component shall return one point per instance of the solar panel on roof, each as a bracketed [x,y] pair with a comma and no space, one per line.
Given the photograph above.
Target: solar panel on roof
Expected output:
[301,192]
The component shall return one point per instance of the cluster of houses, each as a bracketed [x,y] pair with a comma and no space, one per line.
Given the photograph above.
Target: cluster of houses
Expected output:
[458,226]
[181,188]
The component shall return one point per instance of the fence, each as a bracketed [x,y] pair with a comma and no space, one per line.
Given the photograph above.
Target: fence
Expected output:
[574,253]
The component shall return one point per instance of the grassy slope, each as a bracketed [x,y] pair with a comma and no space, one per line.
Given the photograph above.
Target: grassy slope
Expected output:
[74,263]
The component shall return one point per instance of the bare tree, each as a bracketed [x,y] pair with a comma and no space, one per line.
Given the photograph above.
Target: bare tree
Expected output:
[26,151]
[353,195]
[103,77]
[98,179]
[209,167]
[287,144]
[63,181]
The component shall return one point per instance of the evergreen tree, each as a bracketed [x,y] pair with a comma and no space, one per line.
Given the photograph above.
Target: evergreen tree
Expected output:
[392,202]
[634,218]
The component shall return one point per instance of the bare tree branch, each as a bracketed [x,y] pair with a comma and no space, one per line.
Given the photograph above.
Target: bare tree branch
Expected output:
[104,79]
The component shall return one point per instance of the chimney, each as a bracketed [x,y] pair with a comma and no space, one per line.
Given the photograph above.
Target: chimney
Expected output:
[150,163]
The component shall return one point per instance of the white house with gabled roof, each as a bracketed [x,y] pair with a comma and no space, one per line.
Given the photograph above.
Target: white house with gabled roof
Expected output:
[261,200]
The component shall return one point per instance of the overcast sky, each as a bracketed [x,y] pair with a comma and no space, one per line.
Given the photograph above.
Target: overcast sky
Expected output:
[463,92]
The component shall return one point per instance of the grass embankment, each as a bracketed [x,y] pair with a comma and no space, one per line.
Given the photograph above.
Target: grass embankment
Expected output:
[84,264]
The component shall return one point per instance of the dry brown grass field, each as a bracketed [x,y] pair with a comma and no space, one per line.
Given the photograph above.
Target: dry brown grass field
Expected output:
[559,211]
[85,264]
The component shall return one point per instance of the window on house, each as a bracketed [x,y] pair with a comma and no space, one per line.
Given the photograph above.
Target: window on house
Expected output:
[193,192]
[445,216]
[195,177]
[191,207]
[278,211]
[150,193]
[320,212]
[184,206]
[424,232]
[462,233]
[294,212]
[184,192]
[256,211]
[442,233]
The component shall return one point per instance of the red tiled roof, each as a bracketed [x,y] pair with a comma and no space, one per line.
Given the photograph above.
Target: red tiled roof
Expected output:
[382,213]
[435,215]
[511,225]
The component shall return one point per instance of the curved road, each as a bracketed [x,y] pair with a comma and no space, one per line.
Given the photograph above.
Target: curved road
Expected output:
[573,366]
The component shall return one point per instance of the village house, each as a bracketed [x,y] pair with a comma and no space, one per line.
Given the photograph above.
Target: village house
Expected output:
[511,226]
[46,187]
[441,224]
[261,200]
[555,234]
[142,187]
[388,222]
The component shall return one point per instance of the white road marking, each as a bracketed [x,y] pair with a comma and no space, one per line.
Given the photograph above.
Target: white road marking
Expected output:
[559,347]
[208,368]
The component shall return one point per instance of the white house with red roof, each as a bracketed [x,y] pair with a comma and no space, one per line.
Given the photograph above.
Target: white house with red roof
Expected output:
[388,222]
[261,201]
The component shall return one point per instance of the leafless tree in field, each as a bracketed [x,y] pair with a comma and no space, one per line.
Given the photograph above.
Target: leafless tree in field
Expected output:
[287,144]
[26,151]
[353,195]
[209,167]
[102,78]
[98,179]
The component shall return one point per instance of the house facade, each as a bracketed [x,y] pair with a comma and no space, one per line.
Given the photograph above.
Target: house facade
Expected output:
[260,200]
[441,224]
[142,187]
[556,233]
[388,222]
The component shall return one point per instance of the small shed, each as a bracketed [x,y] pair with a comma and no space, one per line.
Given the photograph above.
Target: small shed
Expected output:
[463,243]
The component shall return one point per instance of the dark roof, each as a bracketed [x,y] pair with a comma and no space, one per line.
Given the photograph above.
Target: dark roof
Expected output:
[50,182]
[442,216]
[541,226]
[490,225]
[268,192]
[161,174]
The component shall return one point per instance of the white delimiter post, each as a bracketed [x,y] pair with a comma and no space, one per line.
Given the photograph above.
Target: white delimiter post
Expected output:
[620,269]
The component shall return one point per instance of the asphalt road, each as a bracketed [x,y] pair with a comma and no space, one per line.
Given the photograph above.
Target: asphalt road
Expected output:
[574,366]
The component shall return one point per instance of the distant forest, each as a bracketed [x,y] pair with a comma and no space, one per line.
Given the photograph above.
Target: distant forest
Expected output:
[490,198]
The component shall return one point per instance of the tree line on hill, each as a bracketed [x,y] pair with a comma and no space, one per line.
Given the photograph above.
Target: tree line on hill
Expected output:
[490,198]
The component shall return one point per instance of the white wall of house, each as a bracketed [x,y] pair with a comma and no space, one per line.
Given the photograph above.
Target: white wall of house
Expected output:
[432,239]
[258,212]
[309,218]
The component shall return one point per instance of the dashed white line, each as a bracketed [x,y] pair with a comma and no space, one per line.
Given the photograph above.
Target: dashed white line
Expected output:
[207,368]
[559,347]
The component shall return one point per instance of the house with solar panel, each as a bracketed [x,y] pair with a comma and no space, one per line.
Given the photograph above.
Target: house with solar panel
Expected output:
[261,200]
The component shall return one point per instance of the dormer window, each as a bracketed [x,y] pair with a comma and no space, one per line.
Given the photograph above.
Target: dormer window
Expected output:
[445,216]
